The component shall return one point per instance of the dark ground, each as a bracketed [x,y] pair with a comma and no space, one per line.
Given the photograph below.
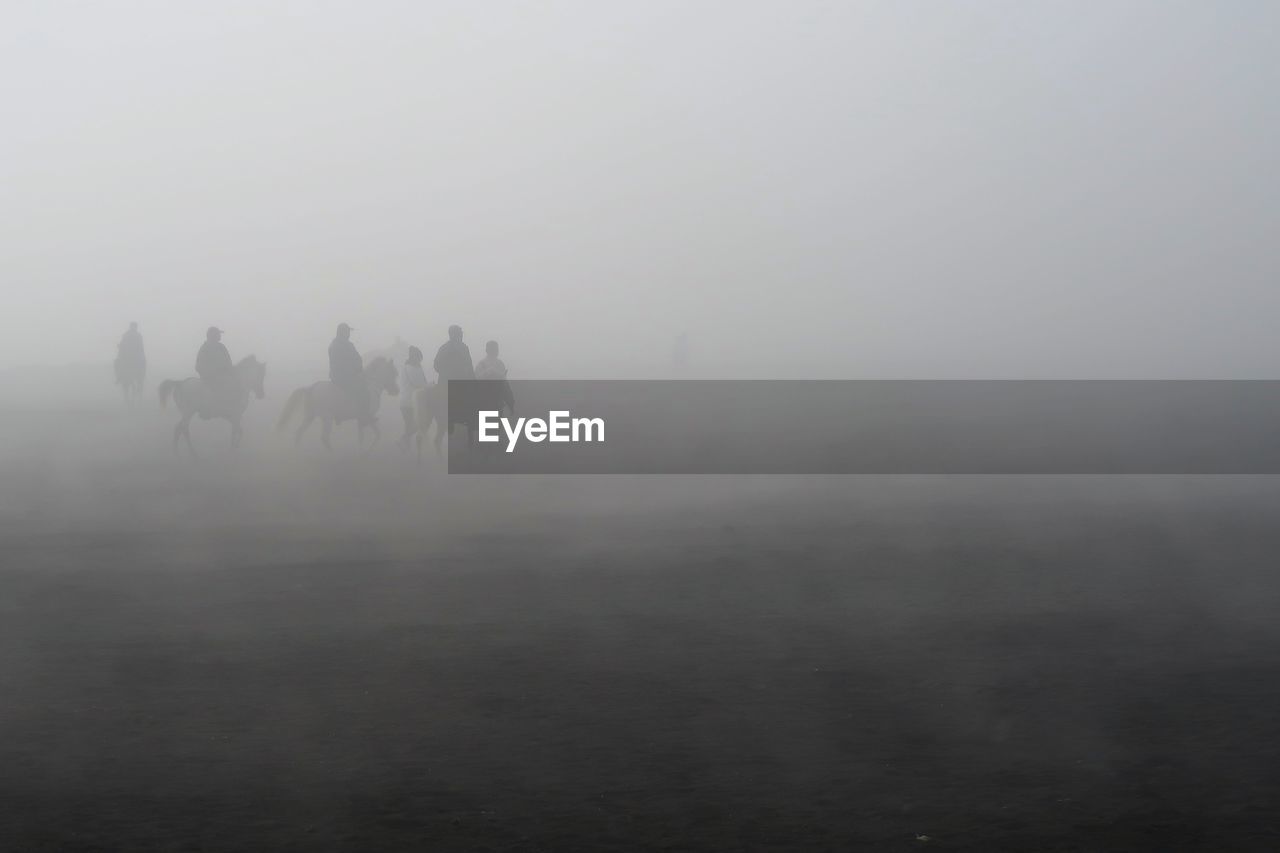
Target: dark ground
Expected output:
[282,651]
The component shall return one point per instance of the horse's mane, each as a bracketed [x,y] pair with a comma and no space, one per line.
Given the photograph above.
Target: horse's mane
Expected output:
[248,361]
[376,363]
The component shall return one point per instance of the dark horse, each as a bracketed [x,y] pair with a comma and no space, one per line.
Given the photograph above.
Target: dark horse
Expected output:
[195,397]
[131,372]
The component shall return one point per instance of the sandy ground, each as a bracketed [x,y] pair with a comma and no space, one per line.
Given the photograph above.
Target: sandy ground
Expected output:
[288,650]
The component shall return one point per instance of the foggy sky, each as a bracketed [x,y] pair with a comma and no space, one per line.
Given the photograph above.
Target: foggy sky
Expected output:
[895,189]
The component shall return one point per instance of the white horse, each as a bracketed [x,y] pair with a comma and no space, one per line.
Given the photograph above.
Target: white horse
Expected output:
[194,397]
[430,405]
[331,405]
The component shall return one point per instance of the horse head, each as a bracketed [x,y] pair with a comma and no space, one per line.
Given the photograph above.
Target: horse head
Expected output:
[381,376]
[253,374]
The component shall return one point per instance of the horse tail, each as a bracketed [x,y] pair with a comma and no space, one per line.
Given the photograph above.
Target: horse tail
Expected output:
[167,388]
[296,399]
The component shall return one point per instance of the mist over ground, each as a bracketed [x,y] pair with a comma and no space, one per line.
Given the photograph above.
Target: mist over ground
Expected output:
[279,647]
[874,190]
[302,650]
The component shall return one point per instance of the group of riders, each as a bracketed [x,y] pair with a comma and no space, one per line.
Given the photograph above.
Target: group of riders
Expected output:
[220,390]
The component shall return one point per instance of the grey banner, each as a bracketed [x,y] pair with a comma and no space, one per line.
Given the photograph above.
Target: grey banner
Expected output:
[872,427]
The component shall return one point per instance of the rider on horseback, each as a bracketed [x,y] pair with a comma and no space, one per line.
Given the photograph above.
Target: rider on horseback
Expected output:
[214,367]
[131,358]
[129,351]
[346,371]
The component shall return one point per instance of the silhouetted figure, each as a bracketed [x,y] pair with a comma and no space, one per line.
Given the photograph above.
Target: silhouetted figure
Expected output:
[202,396]
[492,367]
[221,391]
[346,370]
[130,349]
[415,380]
[453,359]
[131,363]
[213,364]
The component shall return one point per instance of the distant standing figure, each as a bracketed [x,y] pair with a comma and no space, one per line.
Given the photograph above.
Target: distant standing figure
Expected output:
[131,363]
[415,380]
[493,368]
[346,370]
[213,362]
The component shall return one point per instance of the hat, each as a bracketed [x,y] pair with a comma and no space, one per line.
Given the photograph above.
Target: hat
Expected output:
[343,327]
[213,330]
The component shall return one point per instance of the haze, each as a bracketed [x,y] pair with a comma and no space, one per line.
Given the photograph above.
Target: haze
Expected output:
[873,189]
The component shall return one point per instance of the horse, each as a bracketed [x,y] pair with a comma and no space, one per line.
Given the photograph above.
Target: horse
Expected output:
[430,405]
[331,405]
[194,397]
[130,374]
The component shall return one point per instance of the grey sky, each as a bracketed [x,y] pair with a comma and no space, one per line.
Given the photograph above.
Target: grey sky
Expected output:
[897,188]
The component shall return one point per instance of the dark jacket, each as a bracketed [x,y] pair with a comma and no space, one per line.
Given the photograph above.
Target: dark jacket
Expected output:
[346,368]
[130,349]
[453,361]
[213,362]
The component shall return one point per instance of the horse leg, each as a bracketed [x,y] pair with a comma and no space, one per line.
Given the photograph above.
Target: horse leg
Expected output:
[439,439]
[237,433]
[306,422]
[420,436]
[409,428]
[360,427]
[177,435]
[186,432]
[326,428]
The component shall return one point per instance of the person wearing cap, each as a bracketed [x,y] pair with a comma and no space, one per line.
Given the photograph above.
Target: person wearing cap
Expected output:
[213,362]
[346,371]
[415,379]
